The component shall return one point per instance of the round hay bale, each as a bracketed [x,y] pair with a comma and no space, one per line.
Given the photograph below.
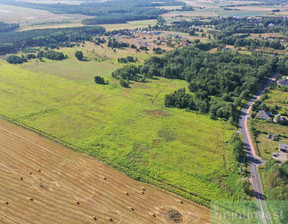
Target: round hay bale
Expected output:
[182,202]
[30,173]
[78,202]
[105,178]
[127,193]
[133,209]
[154,215]
[6,203]
[143,192]
[31,199]
[143,189]
[110,219]
[42,186]
[39,171]
[94,218]
[21,178]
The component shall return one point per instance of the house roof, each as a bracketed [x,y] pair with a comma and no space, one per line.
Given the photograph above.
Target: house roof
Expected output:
[263,114]
[283,82]
[283,146]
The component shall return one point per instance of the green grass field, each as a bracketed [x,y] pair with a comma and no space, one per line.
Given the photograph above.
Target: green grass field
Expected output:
[102,61]
[73,69]
[130,129]
[279,98]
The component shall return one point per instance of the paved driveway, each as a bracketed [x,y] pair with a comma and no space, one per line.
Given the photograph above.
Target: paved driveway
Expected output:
[282,156]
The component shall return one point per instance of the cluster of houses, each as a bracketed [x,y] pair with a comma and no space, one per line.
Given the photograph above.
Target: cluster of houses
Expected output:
[142,43]
[145,32]
[265,115]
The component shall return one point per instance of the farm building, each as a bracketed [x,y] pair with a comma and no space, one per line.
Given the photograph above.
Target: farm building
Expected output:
[283,147]
[283,82]
[263,114]
[271,136]
[282,120]
[270,38]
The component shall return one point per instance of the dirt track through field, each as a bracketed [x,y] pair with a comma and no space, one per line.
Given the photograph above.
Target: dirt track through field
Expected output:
[68,177]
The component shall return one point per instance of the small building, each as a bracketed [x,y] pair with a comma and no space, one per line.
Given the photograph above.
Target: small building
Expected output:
[263,114]
[283,82]
[270,38]
[275,154]
[282,120]
[283,147]
[271,136]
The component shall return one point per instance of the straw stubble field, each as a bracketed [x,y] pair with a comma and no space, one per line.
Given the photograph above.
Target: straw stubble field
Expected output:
[43,182]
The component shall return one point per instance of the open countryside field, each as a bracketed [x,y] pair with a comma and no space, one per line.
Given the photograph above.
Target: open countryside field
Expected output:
[34,18]
[102,61]
[68,177]
[73,2]
[130,25]
[130,129]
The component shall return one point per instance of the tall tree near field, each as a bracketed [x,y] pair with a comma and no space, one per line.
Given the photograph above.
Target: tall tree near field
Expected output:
[79,55]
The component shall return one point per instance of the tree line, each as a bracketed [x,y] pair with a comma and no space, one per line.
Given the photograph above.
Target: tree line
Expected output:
[8,27]
[217,82]
[107,12]
[11,42]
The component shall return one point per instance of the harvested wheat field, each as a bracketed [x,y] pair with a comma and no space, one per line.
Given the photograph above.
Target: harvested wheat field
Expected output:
[43,182]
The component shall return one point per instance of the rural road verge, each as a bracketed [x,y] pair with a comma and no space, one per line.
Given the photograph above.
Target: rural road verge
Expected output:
[253,159]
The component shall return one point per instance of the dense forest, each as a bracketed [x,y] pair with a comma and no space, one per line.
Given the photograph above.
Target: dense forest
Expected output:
[217,82]
[8,27]
[11,42]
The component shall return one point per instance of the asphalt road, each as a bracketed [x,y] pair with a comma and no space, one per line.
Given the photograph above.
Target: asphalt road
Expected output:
[253,159]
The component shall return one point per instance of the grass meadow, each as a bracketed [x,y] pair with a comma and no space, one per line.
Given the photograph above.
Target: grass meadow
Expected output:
[129,129]
[279,98]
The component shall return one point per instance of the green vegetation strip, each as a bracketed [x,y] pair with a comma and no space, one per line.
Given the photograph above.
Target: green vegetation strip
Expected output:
[170,148]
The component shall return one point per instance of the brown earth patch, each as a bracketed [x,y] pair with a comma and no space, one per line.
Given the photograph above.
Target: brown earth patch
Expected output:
[157,112]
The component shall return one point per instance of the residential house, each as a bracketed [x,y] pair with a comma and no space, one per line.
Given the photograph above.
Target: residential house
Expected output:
[282,120]
[263,114]
[283,147]
[283,82]
[271,136]
[270,38]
